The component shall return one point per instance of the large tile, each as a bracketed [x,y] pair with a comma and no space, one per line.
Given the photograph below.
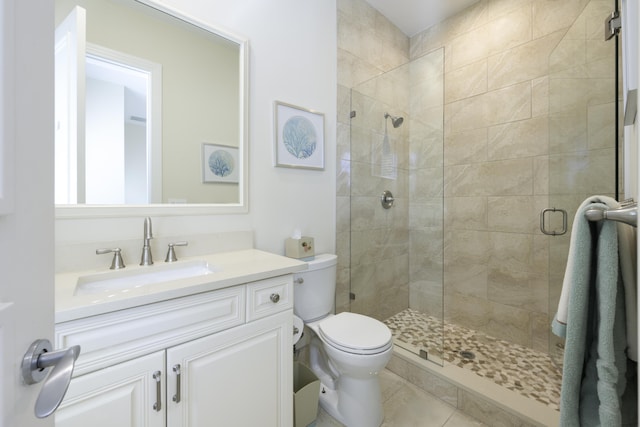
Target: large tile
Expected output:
[568,59]
[523,138]
[326,420]
[541,175]
[525,62]
[436,36]
[426,214]
[501,33]
[427,297]
[492,108]
[466,81]
[425,184]
[550,15]
[507,178]
[583,172]
[459,419]
[600,126]
[540,97]
[426,139]
[482,410]
[424,380]
[515,214]
[467,257]
[568,131]
[508,323]
[353,70]
[412,407]
[467,311]
[520,289]
[343,214]
[466,147]
[466,213]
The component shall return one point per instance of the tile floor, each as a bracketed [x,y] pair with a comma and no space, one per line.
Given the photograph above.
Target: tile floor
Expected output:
[406,405]
[515,367]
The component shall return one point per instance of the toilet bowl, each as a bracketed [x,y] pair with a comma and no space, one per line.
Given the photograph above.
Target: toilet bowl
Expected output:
[347,350]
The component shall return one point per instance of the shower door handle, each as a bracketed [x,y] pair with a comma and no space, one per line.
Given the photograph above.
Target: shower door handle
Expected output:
[543,223]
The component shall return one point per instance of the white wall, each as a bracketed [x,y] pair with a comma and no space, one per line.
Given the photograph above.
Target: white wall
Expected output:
[292,59]
[104,146]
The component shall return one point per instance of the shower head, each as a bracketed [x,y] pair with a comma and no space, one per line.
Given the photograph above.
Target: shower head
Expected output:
[395,121]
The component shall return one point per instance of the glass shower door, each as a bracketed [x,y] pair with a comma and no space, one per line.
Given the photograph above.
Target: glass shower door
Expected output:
[582,89]
[397,232]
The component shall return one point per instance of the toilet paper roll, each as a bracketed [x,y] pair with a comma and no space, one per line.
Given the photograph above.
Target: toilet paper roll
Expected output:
[298,328]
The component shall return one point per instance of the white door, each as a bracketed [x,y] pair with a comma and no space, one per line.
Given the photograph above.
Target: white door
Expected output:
[26,226]
[70,53]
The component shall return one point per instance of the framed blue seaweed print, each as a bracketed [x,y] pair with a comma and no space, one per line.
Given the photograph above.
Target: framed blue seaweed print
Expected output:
[299,139]
[219,163]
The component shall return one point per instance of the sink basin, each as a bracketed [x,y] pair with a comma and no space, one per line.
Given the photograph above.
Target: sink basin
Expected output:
[136,277]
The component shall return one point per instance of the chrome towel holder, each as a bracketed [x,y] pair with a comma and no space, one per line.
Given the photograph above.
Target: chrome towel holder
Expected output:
[627,214]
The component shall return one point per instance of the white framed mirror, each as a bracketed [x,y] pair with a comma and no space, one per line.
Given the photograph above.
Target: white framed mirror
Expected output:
[151,112]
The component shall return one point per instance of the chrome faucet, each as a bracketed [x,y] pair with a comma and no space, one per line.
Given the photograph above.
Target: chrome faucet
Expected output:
[147,258]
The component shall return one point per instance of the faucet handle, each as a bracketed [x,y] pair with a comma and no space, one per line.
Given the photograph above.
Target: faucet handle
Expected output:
[171,253]
[117,262]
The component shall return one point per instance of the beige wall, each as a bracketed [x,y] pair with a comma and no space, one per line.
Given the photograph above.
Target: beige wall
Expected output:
[521,87]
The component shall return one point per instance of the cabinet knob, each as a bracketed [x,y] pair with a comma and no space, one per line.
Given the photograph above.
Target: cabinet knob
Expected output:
[274,298]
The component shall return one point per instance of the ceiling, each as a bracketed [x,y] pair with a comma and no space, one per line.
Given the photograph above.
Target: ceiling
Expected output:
[414,16]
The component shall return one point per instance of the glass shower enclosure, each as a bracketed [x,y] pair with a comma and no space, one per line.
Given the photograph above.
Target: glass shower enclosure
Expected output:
[397,221]
[428,242]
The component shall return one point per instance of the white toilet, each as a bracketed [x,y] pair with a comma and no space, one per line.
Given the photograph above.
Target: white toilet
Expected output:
[347,350]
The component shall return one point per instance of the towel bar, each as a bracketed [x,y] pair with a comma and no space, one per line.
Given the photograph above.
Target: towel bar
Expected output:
[627,214]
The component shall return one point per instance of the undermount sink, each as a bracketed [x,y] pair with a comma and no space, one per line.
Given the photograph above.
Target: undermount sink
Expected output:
[136,277]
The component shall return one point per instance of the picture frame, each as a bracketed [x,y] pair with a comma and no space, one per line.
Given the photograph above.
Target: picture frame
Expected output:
[220,164]
[299,137]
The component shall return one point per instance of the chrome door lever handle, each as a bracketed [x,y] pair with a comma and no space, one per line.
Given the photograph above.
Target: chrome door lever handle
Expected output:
[35,364]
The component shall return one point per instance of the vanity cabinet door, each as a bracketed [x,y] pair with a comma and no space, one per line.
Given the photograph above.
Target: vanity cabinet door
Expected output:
[238,377]
[122,395]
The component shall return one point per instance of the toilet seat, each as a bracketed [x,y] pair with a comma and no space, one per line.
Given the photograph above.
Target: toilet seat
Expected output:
[355,333]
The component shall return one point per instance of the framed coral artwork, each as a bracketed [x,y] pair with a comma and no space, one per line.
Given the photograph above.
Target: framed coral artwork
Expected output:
[299,137]
[219,163]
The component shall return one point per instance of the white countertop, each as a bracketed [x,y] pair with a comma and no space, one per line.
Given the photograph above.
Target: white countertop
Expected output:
[230,269]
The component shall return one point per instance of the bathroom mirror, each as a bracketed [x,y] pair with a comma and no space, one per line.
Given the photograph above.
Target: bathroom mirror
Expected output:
[158,123]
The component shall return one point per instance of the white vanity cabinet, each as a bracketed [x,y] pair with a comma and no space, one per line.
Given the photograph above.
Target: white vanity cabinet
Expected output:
[122,395]
[220,358]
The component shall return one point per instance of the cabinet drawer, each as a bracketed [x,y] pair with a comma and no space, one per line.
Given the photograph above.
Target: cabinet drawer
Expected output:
[115,337]
[270,296]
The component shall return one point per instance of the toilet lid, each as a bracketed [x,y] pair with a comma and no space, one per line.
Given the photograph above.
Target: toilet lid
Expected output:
[355,332]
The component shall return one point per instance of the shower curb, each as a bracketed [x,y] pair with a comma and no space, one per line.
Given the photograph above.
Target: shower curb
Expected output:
[475,396]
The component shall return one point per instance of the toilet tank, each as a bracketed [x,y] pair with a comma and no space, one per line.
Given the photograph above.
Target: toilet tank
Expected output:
[315,288]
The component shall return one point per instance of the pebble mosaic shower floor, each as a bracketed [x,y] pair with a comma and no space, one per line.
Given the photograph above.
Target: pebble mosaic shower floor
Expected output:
[518,368]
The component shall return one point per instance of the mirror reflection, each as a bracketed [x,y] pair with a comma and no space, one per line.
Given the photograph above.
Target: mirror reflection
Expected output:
[149,108]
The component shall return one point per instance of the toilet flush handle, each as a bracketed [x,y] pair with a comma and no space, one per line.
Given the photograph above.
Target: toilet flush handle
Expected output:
[298,281]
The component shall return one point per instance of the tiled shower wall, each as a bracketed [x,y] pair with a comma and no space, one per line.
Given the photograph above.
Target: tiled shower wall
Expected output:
[368,46]
[500,148]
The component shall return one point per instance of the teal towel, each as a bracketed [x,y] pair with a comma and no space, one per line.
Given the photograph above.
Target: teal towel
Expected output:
[594,361]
